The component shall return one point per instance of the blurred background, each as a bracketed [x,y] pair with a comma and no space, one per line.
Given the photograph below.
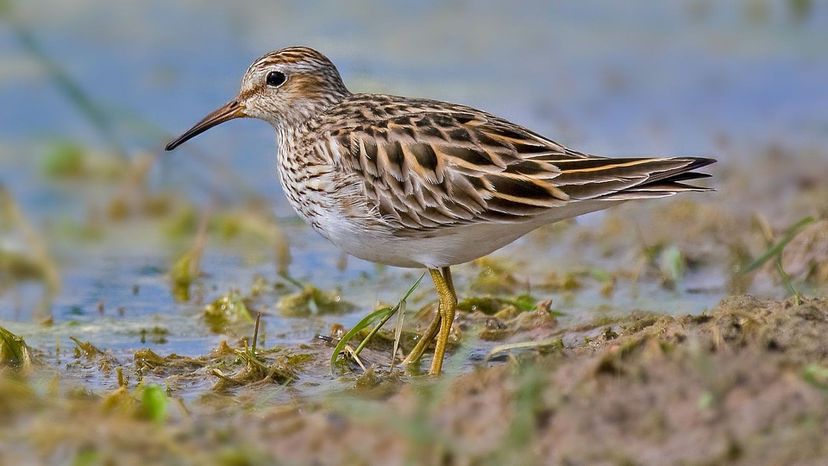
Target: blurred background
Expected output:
[106,236]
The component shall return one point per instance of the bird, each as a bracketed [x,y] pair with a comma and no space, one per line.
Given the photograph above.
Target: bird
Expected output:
[421,183]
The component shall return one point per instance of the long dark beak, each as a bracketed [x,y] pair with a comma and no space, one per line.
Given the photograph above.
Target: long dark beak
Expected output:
[226,112]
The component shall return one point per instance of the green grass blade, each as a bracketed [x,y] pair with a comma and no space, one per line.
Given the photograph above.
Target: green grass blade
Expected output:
[413,287]
[380,314]
[397,333]
[777,248]
[400,306]
[786,281]
[374,330]
[365,322]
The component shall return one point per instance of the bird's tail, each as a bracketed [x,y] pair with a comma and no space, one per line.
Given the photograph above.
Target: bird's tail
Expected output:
[620,179]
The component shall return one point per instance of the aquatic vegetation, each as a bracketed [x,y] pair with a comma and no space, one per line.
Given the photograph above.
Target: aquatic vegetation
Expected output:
[276,365]
[145,402]
[568,281]
[64,160]
[14,352]
[120,401]
[498,306]
[31,261]
[672,265]
[154,403]
[187,268]
[806,256]
[312,301]
[494,277]
[227,310]
[147,361]
[775,251]
[87,352]
[380,316]
[156,334]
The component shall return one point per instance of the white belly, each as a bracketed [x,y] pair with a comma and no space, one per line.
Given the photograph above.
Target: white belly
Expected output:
[446,247]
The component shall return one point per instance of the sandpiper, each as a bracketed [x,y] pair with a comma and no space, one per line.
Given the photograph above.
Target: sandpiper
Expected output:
[422,183]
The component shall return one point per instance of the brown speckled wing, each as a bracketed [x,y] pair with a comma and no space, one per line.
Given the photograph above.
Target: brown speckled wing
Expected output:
[430,170]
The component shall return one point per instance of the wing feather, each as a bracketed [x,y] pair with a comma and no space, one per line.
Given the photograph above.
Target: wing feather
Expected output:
[448,167]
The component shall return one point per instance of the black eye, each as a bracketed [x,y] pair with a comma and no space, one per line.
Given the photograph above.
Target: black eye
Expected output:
[276,78]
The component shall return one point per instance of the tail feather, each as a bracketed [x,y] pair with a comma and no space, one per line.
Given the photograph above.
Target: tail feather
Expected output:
[615,179]
[668,183]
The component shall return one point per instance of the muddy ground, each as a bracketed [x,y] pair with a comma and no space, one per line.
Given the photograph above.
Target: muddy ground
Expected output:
[746,383]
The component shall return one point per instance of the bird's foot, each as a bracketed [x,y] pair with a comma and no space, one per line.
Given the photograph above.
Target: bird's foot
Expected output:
[417,353]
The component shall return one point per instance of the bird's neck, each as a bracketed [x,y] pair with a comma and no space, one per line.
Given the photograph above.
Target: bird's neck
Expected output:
[304,110]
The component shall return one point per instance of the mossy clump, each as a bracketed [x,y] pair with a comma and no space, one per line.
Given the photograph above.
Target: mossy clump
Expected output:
[146,358]
[184,272]
[488,305]
[494,277]
[65,160]
[276,365]
[87,352]
[500,306]
[148,361]
[313,301]
[227,310]
[86,349]
[156,334]
[14,352]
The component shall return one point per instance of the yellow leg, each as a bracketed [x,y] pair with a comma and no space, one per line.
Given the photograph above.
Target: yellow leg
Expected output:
[417,353]
[448,304]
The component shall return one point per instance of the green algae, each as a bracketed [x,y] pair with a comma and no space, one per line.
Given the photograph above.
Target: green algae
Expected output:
[227,310]
[313,301]
[231,367]
[32,261]
[147,361]
[86,353]
[86,349]
[498,306]
[14,352]
[64,160]
[276,365]
[184,272]
[494,277]
[155,334]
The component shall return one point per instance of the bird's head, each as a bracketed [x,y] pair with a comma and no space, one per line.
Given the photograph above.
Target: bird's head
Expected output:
[284,87]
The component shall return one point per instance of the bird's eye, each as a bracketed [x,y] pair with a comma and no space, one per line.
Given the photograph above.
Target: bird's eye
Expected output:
[276,78]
